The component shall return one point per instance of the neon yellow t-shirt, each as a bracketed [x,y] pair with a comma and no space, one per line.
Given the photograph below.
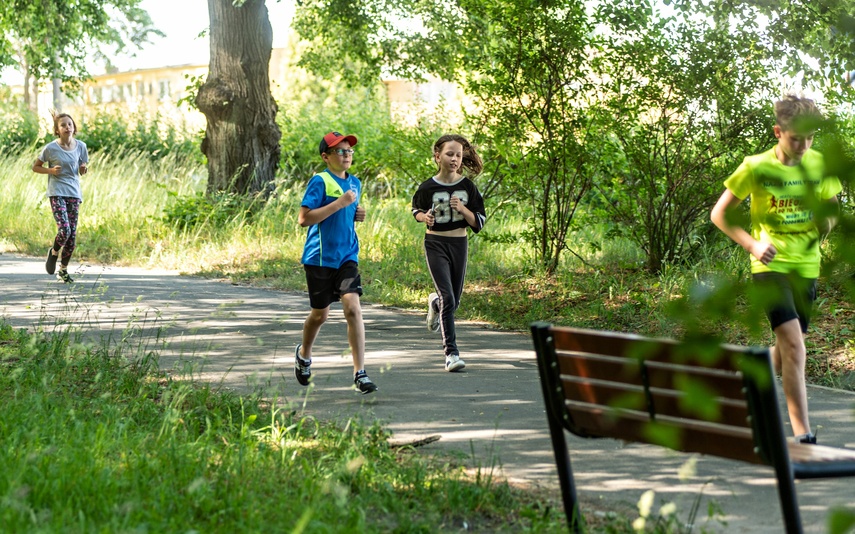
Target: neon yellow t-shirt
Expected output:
[781,213]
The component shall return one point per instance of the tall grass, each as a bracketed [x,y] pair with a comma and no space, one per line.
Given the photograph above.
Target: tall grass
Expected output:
[123,194]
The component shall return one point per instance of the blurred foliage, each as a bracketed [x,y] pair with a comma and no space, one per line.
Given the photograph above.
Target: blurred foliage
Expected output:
[218,210]
[19,128]
[391,158]
[155,136]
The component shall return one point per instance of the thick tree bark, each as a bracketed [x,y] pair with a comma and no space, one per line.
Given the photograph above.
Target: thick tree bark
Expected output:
[242,137]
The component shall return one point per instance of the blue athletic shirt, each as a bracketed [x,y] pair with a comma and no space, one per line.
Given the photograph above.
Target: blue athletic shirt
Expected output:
[333,241]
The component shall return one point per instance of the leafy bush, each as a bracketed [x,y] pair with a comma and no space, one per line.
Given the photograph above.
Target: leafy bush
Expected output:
[19,127]
[390,158]
[222,208]
[155,136]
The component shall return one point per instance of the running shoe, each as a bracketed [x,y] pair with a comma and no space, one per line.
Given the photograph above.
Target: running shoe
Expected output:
[302,368]
[63,275]
[50,263]
[808,439]
[454,363]
[433,312]
[363,383]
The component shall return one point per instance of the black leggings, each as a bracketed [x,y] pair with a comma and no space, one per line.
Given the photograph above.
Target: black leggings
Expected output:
[446,260]
[65,211]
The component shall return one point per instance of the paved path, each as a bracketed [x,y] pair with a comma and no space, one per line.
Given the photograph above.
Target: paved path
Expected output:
[492,413]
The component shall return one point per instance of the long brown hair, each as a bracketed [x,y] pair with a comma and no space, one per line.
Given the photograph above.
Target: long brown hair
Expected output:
[471,159]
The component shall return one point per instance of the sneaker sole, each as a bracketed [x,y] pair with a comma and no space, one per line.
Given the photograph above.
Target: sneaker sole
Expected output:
[456,366]
[50,262]
[300,379]
[432,316]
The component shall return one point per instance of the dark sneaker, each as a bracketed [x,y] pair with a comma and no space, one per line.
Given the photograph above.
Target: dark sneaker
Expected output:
[808,439]
[63,275]
[433,313]
[454,363]
[302,368]
[50,263]
[363,383]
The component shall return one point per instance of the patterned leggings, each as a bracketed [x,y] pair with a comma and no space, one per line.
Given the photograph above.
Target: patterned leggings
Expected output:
[65,211]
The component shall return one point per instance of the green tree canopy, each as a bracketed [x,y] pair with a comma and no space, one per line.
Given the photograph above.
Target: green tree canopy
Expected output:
[650,101]
[58,39]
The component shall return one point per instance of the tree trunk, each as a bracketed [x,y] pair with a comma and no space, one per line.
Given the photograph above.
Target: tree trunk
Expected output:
[57,94]
[27,94]
[36,82]
[242,137]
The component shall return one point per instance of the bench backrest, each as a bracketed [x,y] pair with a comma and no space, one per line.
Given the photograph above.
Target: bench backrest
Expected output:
[688,396]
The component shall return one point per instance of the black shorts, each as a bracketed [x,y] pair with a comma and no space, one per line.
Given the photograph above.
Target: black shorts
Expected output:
[786,297]
[327,285]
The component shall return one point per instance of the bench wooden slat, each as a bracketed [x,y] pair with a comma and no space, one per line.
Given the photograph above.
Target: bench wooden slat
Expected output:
[634,346]
[679,434]
[660,374]
[665,402]
[818,461]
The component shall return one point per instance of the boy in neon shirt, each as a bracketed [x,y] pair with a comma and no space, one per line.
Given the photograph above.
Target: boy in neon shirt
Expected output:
[786,184]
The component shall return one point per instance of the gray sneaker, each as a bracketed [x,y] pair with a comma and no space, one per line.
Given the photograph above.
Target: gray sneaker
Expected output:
[302,368]
[454,363]
[433,313]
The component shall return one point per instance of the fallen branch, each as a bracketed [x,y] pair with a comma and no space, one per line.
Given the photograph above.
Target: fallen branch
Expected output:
[397,444]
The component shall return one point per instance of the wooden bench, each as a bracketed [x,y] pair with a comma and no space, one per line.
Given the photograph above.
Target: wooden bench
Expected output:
[694,397]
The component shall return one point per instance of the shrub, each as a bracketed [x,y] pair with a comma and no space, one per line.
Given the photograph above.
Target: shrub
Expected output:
[218,210]
[391,157]
[154,136]
[19,127]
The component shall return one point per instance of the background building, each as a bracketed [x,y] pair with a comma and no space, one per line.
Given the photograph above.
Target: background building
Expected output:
[163,92]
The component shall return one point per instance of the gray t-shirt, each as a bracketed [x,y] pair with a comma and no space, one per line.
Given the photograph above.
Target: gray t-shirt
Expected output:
[67,182]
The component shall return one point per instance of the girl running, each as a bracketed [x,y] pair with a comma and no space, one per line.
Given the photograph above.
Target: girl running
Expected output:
[448,204]
[63,160]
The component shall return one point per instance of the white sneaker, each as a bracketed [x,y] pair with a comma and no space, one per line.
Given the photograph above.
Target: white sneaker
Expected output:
[454,363]
[433,313]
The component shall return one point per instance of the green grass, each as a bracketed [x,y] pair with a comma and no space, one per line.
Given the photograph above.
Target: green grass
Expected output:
[96,441]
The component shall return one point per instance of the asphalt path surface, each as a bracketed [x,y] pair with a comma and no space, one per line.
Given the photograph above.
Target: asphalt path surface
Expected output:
[490,414]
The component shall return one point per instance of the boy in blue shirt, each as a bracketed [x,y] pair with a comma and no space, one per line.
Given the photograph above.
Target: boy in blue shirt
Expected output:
[330,257]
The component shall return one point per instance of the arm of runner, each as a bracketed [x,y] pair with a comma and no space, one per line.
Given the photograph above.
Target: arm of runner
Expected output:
[722,215]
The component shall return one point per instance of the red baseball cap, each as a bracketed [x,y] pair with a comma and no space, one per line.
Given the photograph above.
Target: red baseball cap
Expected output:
[334,138]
